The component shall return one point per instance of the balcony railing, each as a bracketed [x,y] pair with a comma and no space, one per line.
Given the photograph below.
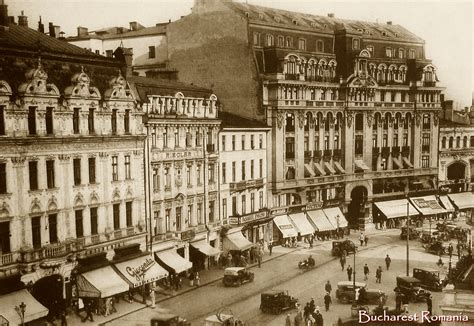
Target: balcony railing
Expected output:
[292,76]
[396,150]
[429,83]
[307,153]
[317,154]
[7,259]
[385,151]
[327,152]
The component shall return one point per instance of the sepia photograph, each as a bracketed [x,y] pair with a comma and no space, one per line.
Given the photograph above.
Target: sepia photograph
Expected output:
[236,162]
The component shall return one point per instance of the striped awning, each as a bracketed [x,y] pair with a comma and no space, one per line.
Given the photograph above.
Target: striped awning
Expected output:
[329,168]
[397,162]
[407,162]
[309,169]
[319,169]
[339,167]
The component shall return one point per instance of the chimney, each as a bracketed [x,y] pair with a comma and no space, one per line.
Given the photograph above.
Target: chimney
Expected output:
[331,15]
[133,26]
[82,31]
[126,56]
[389,22]
[40,26]
[4,20]
[51,30]
[23,20]
[57,31]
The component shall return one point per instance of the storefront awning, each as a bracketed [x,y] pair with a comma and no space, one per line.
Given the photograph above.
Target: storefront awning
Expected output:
[285,226]
[172,261]
[334,214]
[360,165]
[100,283]
[339,167]
[427,205]
[34,310]
[447,203]
[141,270]
[309,170]
[303,226]
[463,200]
[397,162]
[235,240]
[320,220]
[396,208]
[407,162]
[329,168]
[319,169]
[205,248]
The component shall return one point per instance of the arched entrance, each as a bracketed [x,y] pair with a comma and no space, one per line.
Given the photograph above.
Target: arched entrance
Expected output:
[49,292]
[356,207]
[456,173]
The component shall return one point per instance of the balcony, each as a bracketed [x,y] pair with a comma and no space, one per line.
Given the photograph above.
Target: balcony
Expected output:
[429,84]
[292,76]
[7,259]
[395,151]
[385,151]
[375,151]
[307,154]
[211,148]
[317,154]
[327,152]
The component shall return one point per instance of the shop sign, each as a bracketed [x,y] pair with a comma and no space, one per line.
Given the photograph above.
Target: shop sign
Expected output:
[314,205]
[247,218]
[278,211]
[187,235]
[140,271]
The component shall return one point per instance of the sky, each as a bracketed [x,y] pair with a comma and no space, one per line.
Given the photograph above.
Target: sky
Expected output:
[445,25]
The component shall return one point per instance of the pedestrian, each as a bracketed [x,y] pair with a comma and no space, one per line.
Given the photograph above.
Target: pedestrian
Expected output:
[270,246]
[197,279]
[107,307]
[362,295]
[361,239]
[450,250]
[88,308]
[318,318]
[378,275]
[229,259]
[357,295]
[288,320]
[191,279]
[429,304]
[311,306]
[342,260]
[349,272]
[259,258]
[388,260]
[298,319]
[327,300]
[328,287]
[366,239]
[306,311]
[366,272]
[152,296]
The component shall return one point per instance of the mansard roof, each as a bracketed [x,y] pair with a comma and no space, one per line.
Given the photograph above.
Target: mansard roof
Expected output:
[323,24]
[230,120]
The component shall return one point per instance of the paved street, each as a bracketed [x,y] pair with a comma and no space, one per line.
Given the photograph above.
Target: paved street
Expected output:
[282,273]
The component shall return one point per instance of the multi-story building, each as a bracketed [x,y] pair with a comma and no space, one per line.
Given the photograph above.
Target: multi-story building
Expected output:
[182,129]
[243,176]
[353,106]
[71,163]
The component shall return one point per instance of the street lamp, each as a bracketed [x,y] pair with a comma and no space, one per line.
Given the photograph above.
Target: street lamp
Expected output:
[21,311]
[354,271]
[408,233]
[337,221]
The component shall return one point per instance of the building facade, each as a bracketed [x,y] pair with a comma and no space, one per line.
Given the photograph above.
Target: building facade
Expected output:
[72,180]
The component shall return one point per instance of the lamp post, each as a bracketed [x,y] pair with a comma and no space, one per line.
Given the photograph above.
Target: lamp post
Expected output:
[21,311]
[337,221]
[354,271]
[408,234]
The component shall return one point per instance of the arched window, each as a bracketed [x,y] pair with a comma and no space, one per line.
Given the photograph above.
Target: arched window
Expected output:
[307,121]
[451,139]
[464,142]
[386,121]
[290,122]
[458,142]
[327,123]
[270,40]
[338,122]
[359,122]
[443,142]
[407,121]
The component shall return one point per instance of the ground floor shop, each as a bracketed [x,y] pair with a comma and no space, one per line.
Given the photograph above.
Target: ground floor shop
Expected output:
[20,307]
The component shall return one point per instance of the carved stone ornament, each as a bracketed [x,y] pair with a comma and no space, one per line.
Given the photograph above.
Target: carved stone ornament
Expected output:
[36,83]
[349,118]
[417,119]
[280,117]
[80,87]
[370,119]
[5,88]
[436,119]
[119,89]
[301,119]
[18,160]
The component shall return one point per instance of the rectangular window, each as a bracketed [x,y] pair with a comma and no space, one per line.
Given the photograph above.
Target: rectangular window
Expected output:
[167,219]
[128,171]
[91,170]
[233,143]
[243,170]
[326,142]
[77,171]
[243,142]
[251,170]
[244,204]
[252,202]
[3,178]
[2,122]
[260,141]
[234,206]
[359,145]
[90,121]
[32,121]
[385,140]
[109,53]
[211,210]
[188,176]
[289,42]
[425,161]
[49,121]
[156,179]
[151,52]
[199,213]
[190,215]
[256,38]
[33,170]
[260,200]
[320,46]
[374,140]
[395,140]
[94,225]
[388,52]
[233,171]
[53,228]
[36,231]
[223,143]
[224,208]
[302,44]
[178,219]
[114,121]
[412,54]
[79,223]
[405,140]
[165,138]
[126,121]
[198,174]
[114,168]
[128,213]
[355,44]
[252,141]
[50,178]
[116,215]
[211,171]
[176,137]
[75,120]
[5,237]
[224,173]
[260,168]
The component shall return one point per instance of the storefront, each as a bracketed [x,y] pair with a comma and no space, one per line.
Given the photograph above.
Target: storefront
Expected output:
[284,230]
[102,283]
[464,201]
[321,223]
[33,310]
[337,218]
[301,224]
[393,213]
[141,270]
[254,225]
[429,207]
[201,252]
[172,261]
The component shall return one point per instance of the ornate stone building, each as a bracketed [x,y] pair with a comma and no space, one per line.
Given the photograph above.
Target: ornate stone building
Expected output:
[71,162]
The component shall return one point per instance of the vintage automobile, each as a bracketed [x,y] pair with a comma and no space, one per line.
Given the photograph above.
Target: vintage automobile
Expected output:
[429,235]
[435,247]
[276,301]
[345,293]
[411,288]
[429,278]
[223,317]
[414,232]
[236,276]
[338,247]
[167,319]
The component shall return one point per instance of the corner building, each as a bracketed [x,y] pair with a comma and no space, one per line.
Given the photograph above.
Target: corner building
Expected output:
[353,106]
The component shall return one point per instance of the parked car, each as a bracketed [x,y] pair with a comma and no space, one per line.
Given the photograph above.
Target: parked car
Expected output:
[276,301]
[429,278]
[338,247]
[414,232]
[345,293]
[236,276]
[411,288]
[435,247]
[167,319]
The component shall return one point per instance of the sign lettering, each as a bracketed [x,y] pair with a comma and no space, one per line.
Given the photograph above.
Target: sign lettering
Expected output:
[140,271]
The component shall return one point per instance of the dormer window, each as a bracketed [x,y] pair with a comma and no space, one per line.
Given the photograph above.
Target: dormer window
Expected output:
[384,33]
[260,16]
[355,44]
[295,22]
[277,19]
[314,25]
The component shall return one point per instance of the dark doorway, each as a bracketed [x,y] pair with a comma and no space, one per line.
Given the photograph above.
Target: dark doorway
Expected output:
[356,207]
[49,292]
[456,171]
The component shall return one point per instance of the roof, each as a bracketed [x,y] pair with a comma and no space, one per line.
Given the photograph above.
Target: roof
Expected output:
[115,33]
[323,24]
[145,86]
[443,123]
[20,37]
[230,120]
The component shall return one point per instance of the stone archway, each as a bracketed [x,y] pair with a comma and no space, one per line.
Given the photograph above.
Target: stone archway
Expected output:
[356,208]
[456,171]
[49,292]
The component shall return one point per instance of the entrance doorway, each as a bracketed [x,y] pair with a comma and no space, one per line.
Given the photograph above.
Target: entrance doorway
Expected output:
[356,207]
[49,292]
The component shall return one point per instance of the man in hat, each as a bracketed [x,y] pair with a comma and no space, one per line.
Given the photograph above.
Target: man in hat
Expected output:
[328,287]
[327,301]
[349,272]
[318,318]
[388,260]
